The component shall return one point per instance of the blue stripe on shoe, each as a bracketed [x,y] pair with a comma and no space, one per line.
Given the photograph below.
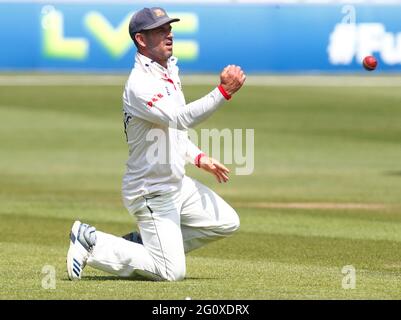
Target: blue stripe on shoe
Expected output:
[76,262]
[76,272]
[76,266]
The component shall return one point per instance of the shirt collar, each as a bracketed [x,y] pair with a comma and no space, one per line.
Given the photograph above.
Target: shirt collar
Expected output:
[148,65]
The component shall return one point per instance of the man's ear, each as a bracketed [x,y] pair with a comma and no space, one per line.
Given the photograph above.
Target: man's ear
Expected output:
[140,39]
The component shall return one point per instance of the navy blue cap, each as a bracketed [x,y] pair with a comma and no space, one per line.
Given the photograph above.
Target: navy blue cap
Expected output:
[147,19]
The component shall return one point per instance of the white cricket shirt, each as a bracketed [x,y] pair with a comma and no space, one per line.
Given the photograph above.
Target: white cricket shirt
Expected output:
[156,118]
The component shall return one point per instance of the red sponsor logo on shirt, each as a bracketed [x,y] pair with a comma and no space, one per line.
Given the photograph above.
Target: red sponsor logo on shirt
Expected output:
[155,98]
[169,80]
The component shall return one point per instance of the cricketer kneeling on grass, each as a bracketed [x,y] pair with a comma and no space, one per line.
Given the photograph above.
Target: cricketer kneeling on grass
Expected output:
[175,214]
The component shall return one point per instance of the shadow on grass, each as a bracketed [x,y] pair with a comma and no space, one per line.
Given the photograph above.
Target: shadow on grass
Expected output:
[116,278]
[393,173]
[111,278]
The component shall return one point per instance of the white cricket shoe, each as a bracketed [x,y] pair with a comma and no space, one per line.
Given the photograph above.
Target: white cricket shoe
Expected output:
[83,239]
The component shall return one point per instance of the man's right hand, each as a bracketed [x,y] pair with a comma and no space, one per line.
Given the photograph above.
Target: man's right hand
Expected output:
[232,78]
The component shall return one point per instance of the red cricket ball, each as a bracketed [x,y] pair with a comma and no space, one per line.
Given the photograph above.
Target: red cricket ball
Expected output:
[370,63]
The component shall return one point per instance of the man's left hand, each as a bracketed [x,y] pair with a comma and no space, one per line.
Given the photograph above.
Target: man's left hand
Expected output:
[214,167]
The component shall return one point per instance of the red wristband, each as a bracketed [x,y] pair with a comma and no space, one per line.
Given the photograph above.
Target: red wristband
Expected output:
[197,159]
[224,92]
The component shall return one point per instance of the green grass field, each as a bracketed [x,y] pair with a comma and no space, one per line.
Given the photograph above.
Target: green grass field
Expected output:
[325,193]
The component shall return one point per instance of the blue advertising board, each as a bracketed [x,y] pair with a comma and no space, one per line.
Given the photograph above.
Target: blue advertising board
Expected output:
[260,38]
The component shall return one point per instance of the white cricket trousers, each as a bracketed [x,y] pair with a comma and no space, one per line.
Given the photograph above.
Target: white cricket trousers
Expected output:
[170,225]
